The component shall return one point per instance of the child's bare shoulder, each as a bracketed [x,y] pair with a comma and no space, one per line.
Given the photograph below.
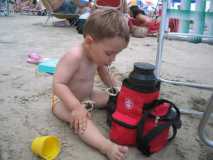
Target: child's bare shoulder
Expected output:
[74,54]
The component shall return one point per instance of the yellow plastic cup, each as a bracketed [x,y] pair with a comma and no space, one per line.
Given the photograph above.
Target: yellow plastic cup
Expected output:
[47,147]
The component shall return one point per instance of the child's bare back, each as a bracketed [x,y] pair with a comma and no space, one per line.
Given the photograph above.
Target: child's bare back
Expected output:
[80,73]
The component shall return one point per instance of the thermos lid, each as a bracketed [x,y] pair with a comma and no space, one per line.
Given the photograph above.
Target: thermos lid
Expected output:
[143,73]
[143,68]
[143,77]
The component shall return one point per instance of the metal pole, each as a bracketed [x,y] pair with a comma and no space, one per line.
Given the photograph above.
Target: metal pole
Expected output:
[161,39]
[210,21]
[185,24]
[189,84]
[199,23]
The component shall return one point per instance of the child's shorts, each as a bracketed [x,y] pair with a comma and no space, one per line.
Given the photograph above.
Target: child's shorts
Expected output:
[54,100]
[89,105]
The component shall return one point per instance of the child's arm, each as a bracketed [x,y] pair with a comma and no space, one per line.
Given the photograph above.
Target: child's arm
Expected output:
[103,72]
[66,68]
[64,72]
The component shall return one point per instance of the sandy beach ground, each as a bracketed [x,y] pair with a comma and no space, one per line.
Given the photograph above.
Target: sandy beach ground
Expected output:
[25,95]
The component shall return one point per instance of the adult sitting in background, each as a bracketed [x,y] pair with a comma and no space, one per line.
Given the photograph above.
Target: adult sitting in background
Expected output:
[142,25]
[69,6]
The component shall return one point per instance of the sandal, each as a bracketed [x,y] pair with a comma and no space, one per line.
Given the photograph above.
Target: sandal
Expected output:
[34,58]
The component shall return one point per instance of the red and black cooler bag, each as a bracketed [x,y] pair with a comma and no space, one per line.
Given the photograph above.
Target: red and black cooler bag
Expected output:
[128,113]
[143,120]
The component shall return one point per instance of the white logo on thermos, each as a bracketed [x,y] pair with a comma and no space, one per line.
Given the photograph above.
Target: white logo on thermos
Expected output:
[128,103]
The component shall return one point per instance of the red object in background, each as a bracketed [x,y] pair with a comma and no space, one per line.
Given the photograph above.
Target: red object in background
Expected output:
[173,24]
[111,3]
[154,26]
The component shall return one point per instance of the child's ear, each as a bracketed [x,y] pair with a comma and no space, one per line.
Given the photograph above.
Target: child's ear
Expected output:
[88,39]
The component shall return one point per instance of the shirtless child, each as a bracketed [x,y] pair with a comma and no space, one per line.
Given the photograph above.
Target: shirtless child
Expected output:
[106,33]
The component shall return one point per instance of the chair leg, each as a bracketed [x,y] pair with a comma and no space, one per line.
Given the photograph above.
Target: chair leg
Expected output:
[160,43]
[48,18]
[204,121]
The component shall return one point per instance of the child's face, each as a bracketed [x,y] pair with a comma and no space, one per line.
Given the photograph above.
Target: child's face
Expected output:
[104,52]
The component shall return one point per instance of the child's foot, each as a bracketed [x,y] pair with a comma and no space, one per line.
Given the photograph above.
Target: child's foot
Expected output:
[116,152]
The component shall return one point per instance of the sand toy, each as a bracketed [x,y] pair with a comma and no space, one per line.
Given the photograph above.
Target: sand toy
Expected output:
[46,147]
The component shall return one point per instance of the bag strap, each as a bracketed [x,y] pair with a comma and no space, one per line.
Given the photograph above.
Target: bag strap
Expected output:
[176,120]
[111,107]
[143,141]
[111,104]
[121,123]
[157,102]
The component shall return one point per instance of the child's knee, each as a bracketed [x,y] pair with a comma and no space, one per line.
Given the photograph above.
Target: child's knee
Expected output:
[61,112]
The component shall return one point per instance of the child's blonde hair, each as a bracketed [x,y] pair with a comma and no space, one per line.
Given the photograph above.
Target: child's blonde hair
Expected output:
[107,23]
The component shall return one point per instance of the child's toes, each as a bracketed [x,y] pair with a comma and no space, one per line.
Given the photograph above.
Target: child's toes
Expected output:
[117,152]
[123,149]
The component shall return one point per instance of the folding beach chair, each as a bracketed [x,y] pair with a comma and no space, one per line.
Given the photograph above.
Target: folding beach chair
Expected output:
[198,34]
[60,15]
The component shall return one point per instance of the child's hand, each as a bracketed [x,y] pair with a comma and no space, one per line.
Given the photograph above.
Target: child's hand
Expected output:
[79,118]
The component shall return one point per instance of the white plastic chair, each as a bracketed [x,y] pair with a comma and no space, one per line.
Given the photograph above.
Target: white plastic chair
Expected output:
[201,18]
[202,126]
